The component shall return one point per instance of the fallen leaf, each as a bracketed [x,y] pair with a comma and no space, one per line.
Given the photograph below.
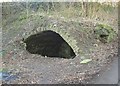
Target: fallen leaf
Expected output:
[85,61]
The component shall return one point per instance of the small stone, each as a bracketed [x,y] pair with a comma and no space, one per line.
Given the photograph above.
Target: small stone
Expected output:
[96,45]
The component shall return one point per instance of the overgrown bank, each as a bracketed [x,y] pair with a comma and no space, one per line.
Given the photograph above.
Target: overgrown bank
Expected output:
[78,32]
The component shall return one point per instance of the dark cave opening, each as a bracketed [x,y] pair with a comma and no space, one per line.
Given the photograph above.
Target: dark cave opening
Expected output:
[49,43]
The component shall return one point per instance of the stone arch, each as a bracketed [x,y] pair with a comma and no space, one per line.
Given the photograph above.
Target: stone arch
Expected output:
[49,43]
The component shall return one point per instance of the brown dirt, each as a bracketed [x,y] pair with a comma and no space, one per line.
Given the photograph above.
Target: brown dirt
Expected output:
[44,70]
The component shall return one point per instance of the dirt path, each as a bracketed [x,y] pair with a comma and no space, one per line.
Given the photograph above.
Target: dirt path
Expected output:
[108,76]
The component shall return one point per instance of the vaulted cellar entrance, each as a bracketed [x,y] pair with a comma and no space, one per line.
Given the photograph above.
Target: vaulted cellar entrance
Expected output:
[49,43]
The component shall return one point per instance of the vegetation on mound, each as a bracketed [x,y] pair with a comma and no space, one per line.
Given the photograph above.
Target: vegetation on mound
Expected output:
[37,17]
[104,33]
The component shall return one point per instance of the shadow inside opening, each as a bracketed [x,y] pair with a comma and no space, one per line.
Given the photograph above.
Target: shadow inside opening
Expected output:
[49,43]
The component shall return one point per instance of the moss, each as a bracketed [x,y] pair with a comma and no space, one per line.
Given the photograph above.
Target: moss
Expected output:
[104,33]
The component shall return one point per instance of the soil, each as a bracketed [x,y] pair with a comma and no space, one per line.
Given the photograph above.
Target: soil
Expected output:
[36,69]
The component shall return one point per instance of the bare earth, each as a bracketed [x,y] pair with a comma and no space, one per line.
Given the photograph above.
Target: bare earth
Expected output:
[44,70]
